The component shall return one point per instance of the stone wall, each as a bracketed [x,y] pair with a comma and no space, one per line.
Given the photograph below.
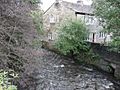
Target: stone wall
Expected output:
[60,13]
[109,60]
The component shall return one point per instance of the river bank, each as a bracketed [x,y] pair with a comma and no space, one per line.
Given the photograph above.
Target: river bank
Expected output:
[51,71]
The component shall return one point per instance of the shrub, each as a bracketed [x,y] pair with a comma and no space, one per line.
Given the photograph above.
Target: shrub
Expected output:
[71,41]
[37,19]
[71,38]
[115,44]
[5,83]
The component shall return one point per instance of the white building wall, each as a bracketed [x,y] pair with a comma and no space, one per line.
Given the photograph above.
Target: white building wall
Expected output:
[93,26]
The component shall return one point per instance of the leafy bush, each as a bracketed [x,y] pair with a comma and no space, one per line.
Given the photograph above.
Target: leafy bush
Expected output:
[71,37]
[71,41]
[5,83]
[37,19]
[115,44]
[38,22]
[34,1]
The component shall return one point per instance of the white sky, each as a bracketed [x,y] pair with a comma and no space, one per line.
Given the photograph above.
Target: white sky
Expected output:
[47,3]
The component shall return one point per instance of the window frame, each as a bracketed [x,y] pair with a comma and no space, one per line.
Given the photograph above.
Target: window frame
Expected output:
[52,19]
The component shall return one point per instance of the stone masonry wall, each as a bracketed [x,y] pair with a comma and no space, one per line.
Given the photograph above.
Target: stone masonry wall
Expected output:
[109,60]
[61,14]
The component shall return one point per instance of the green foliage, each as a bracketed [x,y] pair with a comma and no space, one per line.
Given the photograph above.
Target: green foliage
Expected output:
[116,44]
[37,19]
[34,1]
[38,22]
[71,37]
[5,83]
[12,87]
[71,40]
[37,43]
[108,11]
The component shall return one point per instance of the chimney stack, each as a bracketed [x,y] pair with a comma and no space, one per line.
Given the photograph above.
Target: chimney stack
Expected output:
[80,2]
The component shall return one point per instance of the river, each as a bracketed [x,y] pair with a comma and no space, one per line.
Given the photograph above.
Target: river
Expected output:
[55,72]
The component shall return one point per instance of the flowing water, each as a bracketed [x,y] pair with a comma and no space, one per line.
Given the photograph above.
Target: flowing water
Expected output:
[58,73]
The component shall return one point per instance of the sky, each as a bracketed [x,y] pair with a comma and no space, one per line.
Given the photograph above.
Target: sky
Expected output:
[47,3]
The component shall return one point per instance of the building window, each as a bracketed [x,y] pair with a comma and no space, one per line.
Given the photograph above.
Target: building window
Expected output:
[50,36]
[102,34]
[89,20]
[18,2]
[52,19]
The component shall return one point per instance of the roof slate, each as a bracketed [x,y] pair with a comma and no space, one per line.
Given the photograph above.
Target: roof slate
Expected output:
[79,8]
[87,9]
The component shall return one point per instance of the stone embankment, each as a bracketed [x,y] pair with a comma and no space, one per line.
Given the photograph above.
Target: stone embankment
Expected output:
[109,61]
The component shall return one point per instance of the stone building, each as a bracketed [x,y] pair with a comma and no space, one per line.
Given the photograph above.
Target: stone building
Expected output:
[61,10]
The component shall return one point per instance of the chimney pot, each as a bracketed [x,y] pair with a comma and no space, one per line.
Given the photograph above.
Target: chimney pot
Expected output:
[80,2]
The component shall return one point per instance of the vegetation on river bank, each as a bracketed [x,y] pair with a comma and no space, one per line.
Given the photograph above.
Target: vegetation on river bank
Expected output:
[17,33]
[5,80]
[72,41]
[108,13]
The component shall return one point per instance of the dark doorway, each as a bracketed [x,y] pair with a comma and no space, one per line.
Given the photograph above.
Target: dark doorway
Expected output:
[93,37]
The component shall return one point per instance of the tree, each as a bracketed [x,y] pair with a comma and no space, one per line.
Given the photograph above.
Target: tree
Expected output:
[108,12]
[71,37]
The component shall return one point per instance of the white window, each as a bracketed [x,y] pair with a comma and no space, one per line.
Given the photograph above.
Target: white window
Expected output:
[108,38]
[52,19]
[89,20]
[50,37]
[102,34]
[18,2]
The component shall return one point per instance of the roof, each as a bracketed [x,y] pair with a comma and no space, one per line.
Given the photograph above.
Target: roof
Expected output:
[49,7]
[88,9]
[83,9]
